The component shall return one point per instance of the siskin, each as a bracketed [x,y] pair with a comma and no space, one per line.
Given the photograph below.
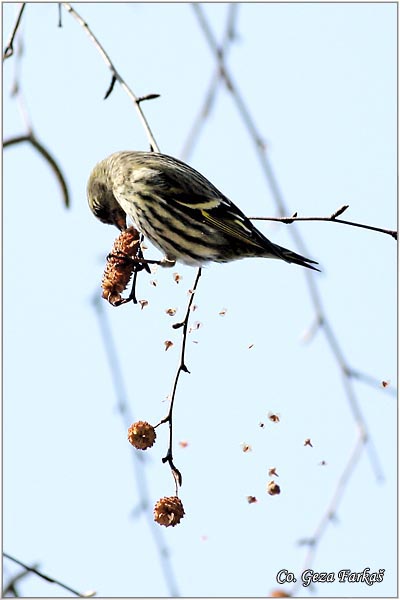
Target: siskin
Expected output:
[178,209]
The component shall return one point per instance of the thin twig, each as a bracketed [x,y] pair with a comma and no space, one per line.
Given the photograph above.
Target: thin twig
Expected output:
[9,49]
[210,96]
[43,576]
[242,107]
[48,157]
[16,88]
[320,321]
[154,146]
[115,75]
[278,197]
[10,586]
[30,137]
[331,219]
[182,368]
[59,24]
[142,486]
[132,295]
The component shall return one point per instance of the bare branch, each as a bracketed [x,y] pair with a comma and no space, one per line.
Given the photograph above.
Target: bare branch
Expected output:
[148,97]
[216,79]
[224,73]
[47,156]
[182,368]
[10,587]
[331,219]
[43,576]
[153,144]
[320,321]
[278,197]
[9,49]
[339,211]
[115,75]
[59,14]
[111,87]
[142,485]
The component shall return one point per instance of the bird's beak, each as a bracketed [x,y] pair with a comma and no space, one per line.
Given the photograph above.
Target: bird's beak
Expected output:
[120,222]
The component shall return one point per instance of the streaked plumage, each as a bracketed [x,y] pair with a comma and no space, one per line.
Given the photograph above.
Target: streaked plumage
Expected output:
[178,209]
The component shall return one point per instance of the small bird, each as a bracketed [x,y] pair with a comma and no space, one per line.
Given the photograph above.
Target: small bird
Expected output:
[178,209]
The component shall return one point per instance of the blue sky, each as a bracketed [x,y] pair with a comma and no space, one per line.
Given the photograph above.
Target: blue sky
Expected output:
[320,82]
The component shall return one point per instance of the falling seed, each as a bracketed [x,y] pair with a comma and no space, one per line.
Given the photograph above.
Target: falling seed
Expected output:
[251,499]
[307,442]
[171,311]
[177,277]
[143,303]
[168,344]
[273,488]
[273,417]
[272,472]
[246,447]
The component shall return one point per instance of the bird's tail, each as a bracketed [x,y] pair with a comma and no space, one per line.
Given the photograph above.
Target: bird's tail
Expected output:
[292,257]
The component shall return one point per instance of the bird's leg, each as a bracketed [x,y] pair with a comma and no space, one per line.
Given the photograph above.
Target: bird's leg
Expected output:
[132,295]
[136,268]
[144,264]
[139,254]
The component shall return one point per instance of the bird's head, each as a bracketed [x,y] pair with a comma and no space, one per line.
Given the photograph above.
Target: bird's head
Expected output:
[102,201]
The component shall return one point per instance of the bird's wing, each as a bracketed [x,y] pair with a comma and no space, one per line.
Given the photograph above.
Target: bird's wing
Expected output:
[199,197]
[191,192]
[226,217]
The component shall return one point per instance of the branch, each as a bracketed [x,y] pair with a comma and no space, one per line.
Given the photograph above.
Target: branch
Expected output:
[115,76]
[182,368]
[332,219]
[9,49]
[212,42]
[153,144]
[46,577]
[10,587]
[47,156]
[320,320]
[216,79]
[30,136]
[249,122]
[142,485]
